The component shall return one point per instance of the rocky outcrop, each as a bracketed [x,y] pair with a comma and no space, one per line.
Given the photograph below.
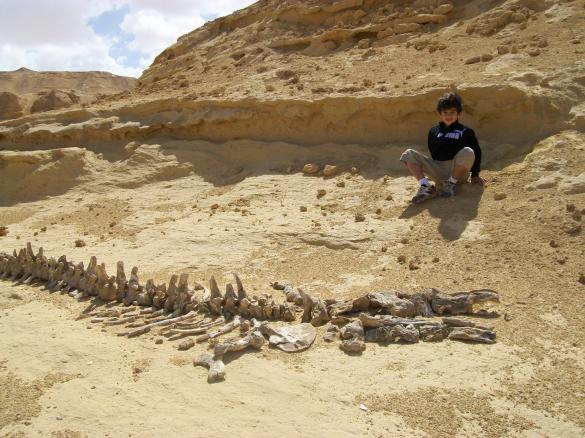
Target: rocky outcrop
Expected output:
[53,99]
[10,107]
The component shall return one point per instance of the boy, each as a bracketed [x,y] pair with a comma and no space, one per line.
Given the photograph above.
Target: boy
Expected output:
[454,150]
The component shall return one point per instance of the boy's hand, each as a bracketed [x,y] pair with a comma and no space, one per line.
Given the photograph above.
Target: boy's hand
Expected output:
[478,180]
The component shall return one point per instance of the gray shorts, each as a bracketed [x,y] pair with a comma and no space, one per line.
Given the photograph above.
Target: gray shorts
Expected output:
[440,171]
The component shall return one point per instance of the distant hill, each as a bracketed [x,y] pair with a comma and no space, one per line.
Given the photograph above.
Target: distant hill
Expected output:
[25,91]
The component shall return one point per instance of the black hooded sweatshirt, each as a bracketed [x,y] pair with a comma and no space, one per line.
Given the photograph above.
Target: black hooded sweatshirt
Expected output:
[446,141]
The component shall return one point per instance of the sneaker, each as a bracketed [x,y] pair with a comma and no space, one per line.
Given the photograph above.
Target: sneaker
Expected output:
[424,193]
[448,189]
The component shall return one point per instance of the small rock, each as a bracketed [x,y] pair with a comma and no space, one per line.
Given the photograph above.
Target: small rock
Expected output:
[507,317]
[303,208]
[158,341]
[214,207]
[80,243]
[3,231]
[384,248]
[43,229]
[582,279]
[486,57]
[404,240]
[553,244]
[379,211]
[499,196]
[15,296]
[473,60]
[36,233]
[570,208]
[354,170]
[534,52]
[311,168]
[112,224]
[502,50]
[443,9]
[435,259]
[340,184]
[331,333]
[321,193]
[359,217]
[401,259]
[573,230]
[412,265]
[330,170]
[389,198]
[363,44]
[363,407]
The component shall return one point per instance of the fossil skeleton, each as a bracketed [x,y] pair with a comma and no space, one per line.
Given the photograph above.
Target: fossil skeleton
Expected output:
[203,314]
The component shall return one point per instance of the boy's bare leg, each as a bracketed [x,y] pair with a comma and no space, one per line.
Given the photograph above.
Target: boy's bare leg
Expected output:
[416,170]
[459,172]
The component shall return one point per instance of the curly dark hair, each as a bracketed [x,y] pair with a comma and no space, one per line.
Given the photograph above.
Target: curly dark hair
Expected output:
[450,100]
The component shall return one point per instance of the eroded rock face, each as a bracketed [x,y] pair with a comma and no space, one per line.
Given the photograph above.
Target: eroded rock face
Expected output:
[10,107]
[54,99]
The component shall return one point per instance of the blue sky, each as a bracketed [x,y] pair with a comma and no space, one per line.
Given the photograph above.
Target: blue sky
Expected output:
[120,36]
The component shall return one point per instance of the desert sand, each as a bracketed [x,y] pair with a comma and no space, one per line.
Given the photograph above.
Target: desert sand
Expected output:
[199,170]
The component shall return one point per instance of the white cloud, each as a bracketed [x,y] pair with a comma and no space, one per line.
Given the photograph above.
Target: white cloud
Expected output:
[55,35]
[155,25]
[153,31]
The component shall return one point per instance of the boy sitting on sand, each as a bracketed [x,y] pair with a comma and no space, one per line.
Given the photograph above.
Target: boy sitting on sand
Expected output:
[454,150]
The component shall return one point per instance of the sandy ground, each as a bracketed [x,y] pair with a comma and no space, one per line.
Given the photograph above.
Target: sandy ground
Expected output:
[65,377]
[198,170]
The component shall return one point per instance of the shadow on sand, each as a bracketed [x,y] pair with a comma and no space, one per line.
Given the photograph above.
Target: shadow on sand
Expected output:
[454,213]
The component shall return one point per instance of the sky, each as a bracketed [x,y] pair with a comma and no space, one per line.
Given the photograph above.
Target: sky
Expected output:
[119,36]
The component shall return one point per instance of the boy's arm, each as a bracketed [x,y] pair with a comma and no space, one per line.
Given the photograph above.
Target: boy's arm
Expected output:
[470,140]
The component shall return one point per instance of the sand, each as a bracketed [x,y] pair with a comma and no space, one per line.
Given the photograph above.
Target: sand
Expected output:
[213,184]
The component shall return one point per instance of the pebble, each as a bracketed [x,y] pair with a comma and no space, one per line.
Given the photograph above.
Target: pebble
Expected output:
[321,193]
[473,60]
[340,184]
[311,168]
[80,243]
[359,217]
[158,341]
[329,170]
[401,259]
[303,208]
[553,244]
[500,196]
[384,248]
[389,198]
